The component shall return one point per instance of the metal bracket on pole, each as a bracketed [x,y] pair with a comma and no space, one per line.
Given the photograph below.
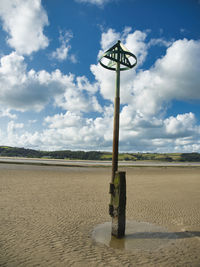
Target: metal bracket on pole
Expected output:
[110,58]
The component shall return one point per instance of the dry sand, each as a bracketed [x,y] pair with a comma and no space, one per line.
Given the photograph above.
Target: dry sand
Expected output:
[48,214]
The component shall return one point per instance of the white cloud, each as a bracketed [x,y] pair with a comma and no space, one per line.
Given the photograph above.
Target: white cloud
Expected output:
[73,58]
[84,84]
[182,125]
[160,42]
[175,76]
[95,2]
[12,130]
[145,94]
[108,39]
[135,42]
[68,119]
[32,121]
[67,130]
[23,139]
[6,113]
[24,90]
[72,131]
[21,89]
[77,101]
[24,21]
[62,52]
[77,132]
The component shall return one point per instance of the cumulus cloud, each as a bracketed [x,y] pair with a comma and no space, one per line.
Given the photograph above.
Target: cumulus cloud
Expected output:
[22,138]
[108,39]
[13,131]
[145,95]
[159,42]
[24,90]
[72,131]
[173,134]
[21,89]
[175,76]
[7,113]
[68,119]
[79,96]
[133,41]
[62,52]
[182,124]
[24,21]
[95,2]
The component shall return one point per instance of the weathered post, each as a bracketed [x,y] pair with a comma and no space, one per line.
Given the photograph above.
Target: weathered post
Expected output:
[116,56]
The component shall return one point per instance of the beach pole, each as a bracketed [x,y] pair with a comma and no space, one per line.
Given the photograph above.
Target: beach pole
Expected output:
[117,55]
[118,202]
[118,181]
[116,124]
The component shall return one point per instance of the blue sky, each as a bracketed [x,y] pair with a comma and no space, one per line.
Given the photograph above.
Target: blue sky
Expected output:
[55,95]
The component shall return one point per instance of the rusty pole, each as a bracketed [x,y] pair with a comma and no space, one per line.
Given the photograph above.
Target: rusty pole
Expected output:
[116,124]
[118,57]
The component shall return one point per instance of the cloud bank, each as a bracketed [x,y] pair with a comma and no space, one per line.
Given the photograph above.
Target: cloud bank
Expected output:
[85,116]
[24,21]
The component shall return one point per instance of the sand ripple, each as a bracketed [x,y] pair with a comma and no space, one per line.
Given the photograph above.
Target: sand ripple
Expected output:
[47,215]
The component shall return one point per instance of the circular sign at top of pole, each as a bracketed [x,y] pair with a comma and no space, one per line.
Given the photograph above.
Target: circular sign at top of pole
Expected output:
[118,54]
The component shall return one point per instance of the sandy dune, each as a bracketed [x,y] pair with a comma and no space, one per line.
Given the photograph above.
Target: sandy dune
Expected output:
[48,214]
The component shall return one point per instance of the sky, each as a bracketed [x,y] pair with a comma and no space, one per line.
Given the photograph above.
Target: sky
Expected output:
[54,94]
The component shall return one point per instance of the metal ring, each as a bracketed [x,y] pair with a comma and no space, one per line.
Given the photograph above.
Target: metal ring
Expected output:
[116,52]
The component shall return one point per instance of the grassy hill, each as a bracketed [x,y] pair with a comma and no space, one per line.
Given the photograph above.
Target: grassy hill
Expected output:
[6,151]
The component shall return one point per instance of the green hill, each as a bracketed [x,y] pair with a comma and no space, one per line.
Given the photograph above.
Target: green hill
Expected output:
[6,151]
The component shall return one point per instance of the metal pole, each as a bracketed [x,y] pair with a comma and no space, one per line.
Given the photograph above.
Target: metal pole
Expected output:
[117,207]
[116,124]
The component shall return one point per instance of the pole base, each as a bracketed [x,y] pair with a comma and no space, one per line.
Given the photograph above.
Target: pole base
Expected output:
[118,203]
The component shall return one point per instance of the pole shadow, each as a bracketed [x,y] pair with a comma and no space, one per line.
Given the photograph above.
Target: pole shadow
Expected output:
[140,236]
[163,235]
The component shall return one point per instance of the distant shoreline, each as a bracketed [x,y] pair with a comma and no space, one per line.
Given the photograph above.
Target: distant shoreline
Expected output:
[102,156]
[92,163]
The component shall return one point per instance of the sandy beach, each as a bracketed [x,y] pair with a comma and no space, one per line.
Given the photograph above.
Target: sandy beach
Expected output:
[48,215]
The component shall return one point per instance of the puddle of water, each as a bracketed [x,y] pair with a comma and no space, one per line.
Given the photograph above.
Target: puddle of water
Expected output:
[139,235]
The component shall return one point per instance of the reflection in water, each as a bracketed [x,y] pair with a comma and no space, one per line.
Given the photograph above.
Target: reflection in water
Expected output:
[139,235]
[117,243]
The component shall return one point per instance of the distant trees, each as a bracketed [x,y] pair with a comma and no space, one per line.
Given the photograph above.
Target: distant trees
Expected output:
[68,154]
[194,157]
[6,151]
[63,154]
[19,152]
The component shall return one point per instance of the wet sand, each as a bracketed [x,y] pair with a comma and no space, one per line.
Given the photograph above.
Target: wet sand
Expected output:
[48,215]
